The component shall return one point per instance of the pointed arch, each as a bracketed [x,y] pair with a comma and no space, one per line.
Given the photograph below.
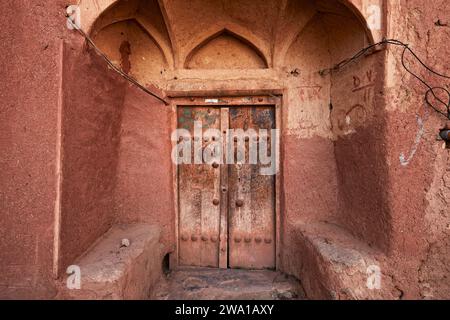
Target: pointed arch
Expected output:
[359,9]
[151,32]
[122,11]
[241,34]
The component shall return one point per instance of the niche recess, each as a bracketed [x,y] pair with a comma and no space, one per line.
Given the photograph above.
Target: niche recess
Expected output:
[225,50]
[133,35]
[129,45]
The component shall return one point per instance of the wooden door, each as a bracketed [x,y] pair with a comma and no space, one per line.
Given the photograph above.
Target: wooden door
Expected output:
[199,193]
[251,197]
[226,210]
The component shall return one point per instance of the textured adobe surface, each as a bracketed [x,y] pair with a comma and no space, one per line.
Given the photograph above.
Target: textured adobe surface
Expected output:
[113,270]
[83,151]
[92,104]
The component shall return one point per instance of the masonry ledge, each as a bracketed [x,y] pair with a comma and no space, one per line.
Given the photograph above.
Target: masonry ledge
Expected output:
[111,270]
[333,264]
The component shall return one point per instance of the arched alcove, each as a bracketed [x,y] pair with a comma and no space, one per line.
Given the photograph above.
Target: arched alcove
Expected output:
[129,45]
[146,38]
[310,50]
[199,49]
[332,34]
[142,25]
[227,51]
[286,52]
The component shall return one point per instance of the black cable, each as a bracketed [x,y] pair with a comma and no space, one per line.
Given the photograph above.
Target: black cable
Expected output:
[114,67]
[406,48]
[430,89]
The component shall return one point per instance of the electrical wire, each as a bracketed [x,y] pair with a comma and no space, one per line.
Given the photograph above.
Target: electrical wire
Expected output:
[114,67]
[431,90]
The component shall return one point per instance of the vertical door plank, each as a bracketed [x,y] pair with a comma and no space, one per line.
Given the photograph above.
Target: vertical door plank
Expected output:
[251,198]
[199,195]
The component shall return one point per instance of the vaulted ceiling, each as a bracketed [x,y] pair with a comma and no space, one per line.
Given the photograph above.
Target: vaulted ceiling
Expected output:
[257,33]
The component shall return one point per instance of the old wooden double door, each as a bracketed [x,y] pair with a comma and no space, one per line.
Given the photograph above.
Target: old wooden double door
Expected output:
[226,208]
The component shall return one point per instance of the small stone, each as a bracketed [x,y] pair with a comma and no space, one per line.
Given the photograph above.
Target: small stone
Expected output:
[125,243]
[285,295]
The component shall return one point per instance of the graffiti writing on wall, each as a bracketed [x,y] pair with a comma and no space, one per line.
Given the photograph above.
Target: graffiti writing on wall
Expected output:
[308,93]
[406,161]
[364,84]
[357,104]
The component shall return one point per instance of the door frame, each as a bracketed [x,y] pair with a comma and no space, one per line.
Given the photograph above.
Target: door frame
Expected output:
[230,101]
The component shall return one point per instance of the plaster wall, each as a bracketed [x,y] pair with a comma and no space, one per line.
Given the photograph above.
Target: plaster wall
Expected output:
[85,151]
[144,186]
[418,186]
[30,94]
[92,104]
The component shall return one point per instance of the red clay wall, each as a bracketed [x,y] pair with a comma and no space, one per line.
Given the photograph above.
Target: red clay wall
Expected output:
[309,166]
[30,70]
[93,99]
[309,162]
[144,179]
[358,119]
[419,190]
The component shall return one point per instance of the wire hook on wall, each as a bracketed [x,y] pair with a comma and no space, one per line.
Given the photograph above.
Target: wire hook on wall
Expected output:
[432,91]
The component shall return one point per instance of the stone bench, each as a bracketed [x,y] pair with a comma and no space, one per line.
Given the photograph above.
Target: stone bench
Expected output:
[113,270]
[332,264]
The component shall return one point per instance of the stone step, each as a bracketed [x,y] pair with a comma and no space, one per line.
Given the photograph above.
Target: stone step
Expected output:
[227,284]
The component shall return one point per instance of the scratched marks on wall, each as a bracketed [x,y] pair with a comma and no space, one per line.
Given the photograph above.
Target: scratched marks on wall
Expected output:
[309,93]
[332,107]
[308,113]
[353,118]
[355,103]
[364,84]
[420,132]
